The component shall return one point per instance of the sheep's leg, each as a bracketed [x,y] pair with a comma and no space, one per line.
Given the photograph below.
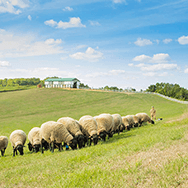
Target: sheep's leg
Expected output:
[52,149]
[13,152]
[2,153]
[60,147]
[89,141]
[42,151]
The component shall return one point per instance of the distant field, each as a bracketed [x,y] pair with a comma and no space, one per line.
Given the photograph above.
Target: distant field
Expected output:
[126,160]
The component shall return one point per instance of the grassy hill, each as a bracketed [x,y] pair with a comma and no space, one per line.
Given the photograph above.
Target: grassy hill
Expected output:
[126,160]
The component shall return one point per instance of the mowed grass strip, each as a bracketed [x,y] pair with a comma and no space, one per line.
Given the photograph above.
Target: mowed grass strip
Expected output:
[109,164]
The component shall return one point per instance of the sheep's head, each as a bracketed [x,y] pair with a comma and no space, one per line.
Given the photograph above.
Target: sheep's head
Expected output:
[37,147]
[152,122]
[73,143]
[45,144]
[103,135]
[80,140]
[110,134]
[122,127]
[20,149]
[136,124]
[94,138]
[30,147]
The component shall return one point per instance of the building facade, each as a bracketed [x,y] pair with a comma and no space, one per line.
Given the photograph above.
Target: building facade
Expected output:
[62,83]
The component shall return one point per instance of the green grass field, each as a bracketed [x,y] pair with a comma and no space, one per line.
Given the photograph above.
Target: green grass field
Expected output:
[148,156]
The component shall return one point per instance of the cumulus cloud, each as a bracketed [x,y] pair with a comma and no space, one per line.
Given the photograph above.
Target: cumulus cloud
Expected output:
[166,41]
[29,17]
[4,64]
[68,9]
[11,6]
[73,22]
[159,67]
[94,23]
[186,70]
[19,46]
[90,55]
[157,58]
[183,40]
[143,42]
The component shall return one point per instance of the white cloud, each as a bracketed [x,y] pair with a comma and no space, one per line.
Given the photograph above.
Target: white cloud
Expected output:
[89,55]
[81,46]
[68,9]
[130,64]
[51,23]
[143,42]
[166,41]
[157,41]
[9,6]
[159,67]
[183,40]
[140,65]
[186,70]
[4,64]
[157,58]
[29,17]
[119,1]
[19,46]
[73,22]
[94,23]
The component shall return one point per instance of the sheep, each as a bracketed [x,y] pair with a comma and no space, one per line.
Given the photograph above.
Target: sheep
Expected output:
[89,128]
[34,140]
[127,121]
[105,123]
[73,129]
[3,144]
[136,119]
[55,133]
[143,117]
[117,123]
[17,139]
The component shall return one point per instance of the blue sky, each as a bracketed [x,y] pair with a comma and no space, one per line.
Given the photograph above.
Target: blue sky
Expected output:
[123,43]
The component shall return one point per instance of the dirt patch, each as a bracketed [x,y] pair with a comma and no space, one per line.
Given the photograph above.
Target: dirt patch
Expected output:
[184,116]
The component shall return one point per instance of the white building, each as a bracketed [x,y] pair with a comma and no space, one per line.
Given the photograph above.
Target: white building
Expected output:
[62,83]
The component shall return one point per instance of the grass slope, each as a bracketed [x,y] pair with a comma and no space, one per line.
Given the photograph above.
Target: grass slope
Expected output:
[109,164]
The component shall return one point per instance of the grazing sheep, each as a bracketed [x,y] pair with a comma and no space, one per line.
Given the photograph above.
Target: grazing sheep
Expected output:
[55,133]
[105,123]
[73,129]
[143,117]
[17,139]
[117,123]
[126,121]
[3,144]
[89,128]
[135,118]
[35,141]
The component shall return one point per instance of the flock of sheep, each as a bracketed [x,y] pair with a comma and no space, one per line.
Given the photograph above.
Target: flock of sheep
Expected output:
[73,133]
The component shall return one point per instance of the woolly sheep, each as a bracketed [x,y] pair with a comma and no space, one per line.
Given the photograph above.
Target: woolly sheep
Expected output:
[143,117]
[136,120]
[105,123]
[117,123]
[55,133]
[89,128]
[35,142]
[126,121]
[17,139]
[3,144]
[73,129]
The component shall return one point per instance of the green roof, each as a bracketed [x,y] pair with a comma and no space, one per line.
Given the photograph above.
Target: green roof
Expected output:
[61,79]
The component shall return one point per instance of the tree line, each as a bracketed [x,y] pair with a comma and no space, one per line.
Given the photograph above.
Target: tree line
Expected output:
[170,90]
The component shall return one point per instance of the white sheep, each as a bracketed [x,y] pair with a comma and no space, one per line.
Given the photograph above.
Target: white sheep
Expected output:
[105,124]
[89,128]
[117,123]
[17,139]
[55,133]
[3,144]
[35,142]
[136,120]
[73,128]
[126,121]
[143,117]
